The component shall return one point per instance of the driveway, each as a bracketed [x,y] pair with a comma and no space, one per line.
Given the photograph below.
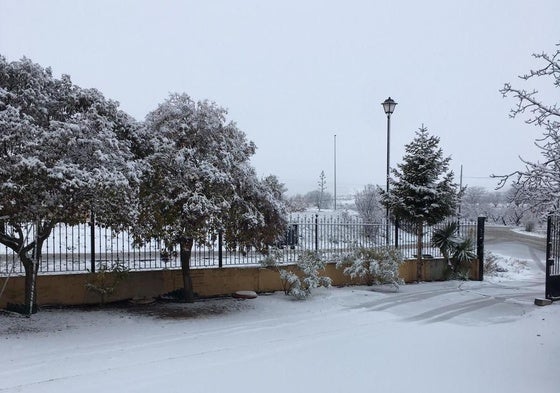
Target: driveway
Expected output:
[504,241]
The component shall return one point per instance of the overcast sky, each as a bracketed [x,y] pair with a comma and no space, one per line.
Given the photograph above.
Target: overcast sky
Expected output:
[295,73]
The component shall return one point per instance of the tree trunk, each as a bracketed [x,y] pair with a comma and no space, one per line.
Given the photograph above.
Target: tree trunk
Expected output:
[30,297]
[419,247]
[30,263]
[186,245]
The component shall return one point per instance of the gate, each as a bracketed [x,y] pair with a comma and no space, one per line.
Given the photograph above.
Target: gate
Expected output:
[552,286]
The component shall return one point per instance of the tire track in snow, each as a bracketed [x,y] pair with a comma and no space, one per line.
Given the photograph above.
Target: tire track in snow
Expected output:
[275,335]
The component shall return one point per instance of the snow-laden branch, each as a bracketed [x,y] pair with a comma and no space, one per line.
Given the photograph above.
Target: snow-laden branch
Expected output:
[538,183]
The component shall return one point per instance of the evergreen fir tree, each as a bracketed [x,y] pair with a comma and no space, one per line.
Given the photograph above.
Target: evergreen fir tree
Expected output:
[422,190]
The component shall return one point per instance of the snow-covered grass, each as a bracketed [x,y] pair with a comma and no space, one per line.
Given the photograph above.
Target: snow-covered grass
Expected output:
[430,337]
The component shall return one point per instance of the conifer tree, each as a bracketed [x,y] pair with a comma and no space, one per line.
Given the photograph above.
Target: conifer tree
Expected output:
[422,190]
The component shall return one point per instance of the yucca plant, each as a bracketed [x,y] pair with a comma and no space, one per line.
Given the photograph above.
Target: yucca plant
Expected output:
[463,254]
[456,251]
[445,238]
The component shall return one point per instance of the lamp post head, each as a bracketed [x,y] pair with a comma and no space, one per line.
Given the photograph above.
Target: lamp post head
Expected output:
[389,106]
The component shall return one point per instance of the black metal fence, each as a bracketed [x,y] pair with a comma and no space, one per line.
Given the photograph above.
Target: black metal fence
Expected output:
[552,283]
[81,248]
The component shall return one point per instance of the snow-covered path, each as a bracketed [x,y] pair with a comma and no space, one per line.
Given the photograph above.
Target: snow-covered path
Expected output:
[431,337]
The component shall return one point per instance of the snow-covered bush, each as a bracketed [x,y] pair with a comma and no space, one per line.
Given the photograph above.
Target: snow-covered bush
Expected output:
[306,277]
[291,284]
[375,266]
[530,225]
[491,265]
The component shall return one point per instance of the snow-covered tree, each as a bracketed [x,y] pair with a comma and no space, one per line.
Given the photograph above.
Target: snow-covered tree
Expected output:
[296,203]
[367,204]
[312,198]
[369,208]
[474,202]
[422,190]
[199,181]
[538,184]
[259,217]
[496,203]
[64,151]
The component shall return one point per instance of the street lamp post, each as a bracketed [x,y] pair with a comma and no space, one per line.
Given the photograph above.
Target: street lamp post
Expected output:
[335,172]
[389,107]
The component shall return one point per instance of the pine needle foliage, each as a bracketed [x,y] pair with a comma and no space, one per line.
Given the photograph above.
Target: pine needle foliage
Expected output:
[422,188]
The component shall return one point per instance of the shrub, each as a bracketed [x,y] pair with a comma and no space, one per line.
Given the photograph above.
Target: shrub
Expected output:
[530,226]
[106,279]
[445,238]
[307,276]
[375,266]
[491,265]
[458,252]
[463,254]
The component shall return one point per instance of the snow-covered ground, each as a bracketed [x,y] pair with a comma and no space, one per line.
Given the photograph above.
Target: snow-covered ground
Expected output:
[430,337]
[539,232]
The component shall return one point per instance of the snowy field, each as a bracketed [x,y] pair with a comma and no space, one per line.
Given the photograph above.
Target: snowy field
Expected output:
[430,337]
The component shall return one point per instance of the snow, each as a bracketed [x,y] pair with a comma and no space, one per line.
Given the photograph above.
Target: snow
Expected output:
[520,230]
[430,337]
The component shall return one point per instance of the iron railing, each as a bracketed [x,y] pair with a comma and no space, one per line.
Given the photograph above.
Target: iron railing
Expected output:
[79,249]
[552,280]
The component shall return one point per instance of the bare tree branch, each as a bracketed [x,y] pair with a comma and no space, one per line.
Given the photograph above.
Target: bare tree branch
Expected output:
[538,184]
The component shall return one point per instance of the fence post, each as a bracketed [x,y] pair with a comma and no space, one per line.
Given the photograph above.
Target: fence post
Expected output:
[396,232]
[92,240]
[480,247]
[220,249]
[549,262]
[316,232]
[548,239]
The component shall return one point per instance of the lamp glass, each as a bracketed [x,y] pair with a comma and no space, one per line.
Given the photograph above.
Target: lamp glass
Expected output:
[389,106]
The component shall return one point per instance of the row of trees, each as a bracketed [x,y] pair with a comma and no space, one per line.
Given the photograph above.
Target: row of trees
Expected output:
[66,151]
[498,206]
